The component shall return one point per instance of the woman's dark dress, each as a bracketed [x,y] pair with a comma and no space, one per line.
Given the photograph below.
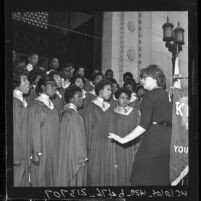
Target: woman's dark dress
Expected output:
[151,165]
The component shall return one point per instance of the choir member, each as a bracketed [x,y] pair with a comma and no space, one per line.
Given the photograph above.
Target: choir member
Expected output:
[126,119]
[21,87]
[133,102]
[78,81]
[54,65]
[115,87]
[91,95]
[151,165]
[34,76]
[81,71]
[43,129]
[101,152]
[96,77]
[109,74]
[127,76]
[72,150]
[32,61]
[58,100]
[66,74]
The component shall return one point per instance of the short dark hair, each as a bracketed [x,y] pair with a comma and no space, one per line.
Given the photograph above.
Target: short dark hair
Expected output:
[34,74]
[108,71]
[97,74]
[127,74]
[130,82]
[76,76]
[70,92]
[17,74]
[101,86]
[43,81]
[123,90]
[156,73]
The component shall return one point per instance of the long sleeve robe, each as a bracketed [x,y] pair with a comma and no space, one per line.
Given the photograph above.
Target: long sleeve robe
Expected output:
[72,150]
[19,145]
[43,130]
[101,151]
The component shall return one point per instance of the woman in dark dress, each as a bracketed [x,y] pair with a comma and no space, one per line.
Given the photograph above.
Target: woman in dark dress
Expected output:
[151,165]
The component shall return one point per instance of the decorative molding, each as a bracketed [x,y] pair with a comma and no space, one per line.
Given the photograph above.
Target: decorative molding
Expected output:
[139,40]
[131,26]
[121,53]
[131,54]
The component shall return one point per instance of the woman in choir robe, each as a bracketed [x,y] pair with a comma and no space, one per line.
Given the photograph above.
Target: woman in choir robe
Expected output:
[72,169]
[152,160]
[78,81]
[43,128]
[115,87]
[20,162]
[133,102]
[101,152]
[125,120]
[58,100]
[34,76]
[91,95]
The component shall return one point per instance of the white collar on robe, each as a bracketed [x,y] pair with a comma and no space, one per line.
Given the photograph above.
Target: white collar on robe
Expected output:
[84,93]
[71,106]
[19,95]
[93,92]
[124,111]
[133,97]
[58,93]
[65,83]
[91,83]
[46,100]
[101,103]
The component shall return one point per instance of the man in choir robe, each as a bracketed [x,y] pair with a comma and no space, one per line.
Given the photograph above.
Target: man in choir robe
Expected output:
[72,149]
[21,87]
[101,152]
[125,120]
[32,61]
[58,100]
[43,130]
[54,65]
[91,94]
[115,87]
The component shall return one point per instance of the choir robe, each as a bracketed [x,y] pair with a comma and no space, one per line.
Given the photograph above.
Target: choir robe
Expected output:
[101,169]
[123,124]
[113,101]
[43,128]
[31,96]
[72,150]
[89,96]
[59,101]
[19,145]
